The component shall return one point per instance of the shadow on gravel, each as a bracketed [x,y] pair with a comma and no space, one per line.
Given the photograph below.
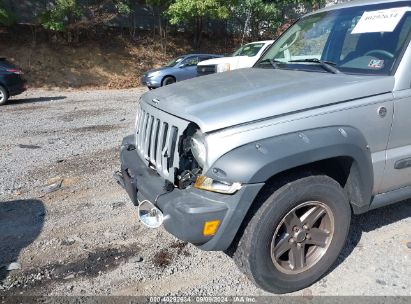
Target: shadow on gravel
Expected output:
[371,221]
[21,221]
[33,100]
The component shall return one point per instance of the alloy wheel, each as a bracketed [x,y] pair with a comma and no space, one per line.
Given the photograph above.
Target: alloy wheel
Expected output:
[302,237]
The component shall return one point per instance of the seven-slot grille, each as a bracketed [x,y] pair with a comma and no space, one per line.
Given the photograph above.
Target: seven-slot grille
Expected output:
[156,141]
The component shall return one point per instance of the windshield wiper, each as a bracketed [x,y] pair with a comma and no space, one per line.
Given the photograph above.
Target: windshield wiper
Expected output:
[326,65]
[273,62]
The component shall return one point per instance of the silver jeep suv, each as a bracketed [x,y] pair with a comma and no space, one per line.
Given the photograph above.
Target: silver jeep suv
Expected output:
[269,163]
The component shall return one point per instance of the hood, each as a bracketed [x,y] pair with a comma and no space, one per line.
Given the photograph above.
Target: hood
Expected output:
[215,61]
[156,70]
[225,99]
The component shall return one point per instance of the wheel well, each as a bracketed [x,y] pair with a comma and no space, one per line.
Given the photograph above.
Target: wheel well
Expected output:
[342,169]
[162,80]
[4,87]
[338,168]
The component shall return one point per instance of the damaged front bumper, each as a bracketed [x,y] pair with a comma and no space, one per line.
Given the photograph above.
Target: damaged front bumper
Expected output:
[185,211]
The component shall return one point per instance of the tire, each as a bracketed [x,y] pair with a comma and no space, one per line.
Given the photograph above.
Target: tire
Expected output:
[168,80]
[266,260]
[4,96]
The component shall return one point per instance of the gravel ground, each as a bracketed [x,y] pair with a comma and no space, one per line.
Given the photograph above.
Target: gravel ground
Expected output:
[73,231]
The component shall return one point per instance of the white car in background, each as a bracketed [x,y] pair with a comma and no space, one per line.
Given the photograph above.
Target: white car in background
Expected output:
[245,57]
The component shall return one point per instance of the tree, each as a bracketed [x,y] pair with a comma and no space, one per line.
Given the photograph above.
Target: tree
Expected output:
[127,8]
[7,17]
[161,6]
[194,13]
[257,16]
[61,15]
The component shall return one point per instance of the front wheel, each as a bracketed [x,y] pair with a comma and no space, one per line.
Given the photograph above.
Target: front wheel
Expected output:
[296,235]
[4,96]
[168,80]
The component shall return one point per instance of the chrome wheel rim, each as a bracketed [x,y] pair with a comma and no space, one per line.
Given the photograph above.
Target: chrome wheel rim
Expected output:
[1,96]
[302,237]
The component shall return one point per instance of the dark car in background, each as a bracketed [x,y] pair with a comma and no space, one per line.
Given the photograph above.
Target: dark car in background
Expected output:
[178,69]
[11,81]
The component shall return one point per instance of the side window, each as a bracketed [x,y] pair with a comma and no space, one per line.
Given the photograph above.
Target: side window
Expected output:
[191,61]
[350,41]
[203,58]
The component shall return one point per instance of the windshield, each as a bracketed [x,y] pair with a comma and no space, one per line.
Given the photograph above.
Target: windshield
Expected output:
[249,50]
[175,61]
[362,39]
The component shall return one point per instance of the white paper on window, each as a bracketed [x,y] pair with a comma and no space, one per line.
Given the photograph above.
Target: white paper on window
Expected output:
[380,21]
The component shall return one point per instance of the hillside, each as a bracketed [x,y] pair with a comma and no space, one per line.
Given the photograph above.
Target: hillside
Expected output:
[114,62]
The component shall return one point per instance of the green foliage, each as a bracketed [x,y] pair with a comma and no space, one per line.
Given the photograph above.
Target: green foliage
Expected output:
[182,11]
[123,7]
[253,19]
[61,15]
[7,17]
[255,12]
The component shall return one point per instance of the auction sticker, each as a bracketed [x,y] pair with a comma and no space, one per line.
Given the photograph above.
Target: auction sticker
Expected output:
[380,21]
[376,64]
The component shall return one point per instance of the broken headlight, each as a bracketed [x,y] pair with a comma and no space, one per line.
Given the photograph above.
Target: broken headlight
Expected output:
[198,148]
[209,184]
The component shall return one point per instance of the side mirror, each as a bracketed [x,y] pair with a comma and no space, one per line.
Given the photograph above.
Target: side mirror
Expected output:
[182,66]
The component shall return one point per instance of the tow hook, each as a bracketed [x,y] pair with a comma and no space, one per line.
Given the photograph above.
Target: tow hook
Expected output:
[149,214]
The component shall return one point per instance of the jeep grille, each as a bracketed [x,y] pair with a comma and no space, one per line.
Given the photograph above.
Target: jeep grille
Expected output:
[157,137]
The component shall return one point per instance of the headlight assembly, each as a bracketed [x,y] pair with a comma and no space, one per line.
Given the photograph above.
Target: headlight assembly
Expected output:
[153,74]
[209,184]
[198,148]
[223,67]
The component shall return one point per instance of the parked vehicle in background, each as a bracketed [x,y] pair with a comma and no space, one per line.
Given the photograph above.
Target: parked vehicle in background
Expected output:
[178,69]
[271,162]
[11,81]
[245,57]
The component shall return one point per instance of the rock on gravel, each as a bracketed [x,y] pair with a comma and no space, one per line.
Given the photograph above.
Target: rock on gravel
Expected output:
[14,266]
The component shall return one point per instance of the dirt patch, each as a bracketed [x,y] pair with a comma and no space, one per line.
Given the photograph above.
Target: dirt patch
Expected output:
[181,248]
[73,169]
[96,262]
[84,113]
[162,259]
[165,257]
[28,146]
[97,128]
[11,107]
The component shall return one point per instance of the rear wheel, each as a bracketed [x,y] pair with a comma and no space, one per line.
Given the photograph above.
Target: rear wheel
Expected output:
[168,80]
[296,235]
[4,96]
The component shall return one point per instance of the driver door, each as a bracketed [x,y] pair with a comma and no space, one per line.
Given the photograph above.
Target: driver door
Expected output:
[188,68]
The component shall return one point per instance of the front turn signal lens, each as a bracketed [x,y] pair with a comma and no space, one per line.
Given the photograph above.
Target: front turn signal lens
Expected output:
[209,184]
[210,227]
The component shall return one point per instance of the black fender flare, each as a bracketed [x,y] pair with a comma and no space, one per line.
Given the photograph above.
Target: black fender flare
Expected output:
[258,161]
